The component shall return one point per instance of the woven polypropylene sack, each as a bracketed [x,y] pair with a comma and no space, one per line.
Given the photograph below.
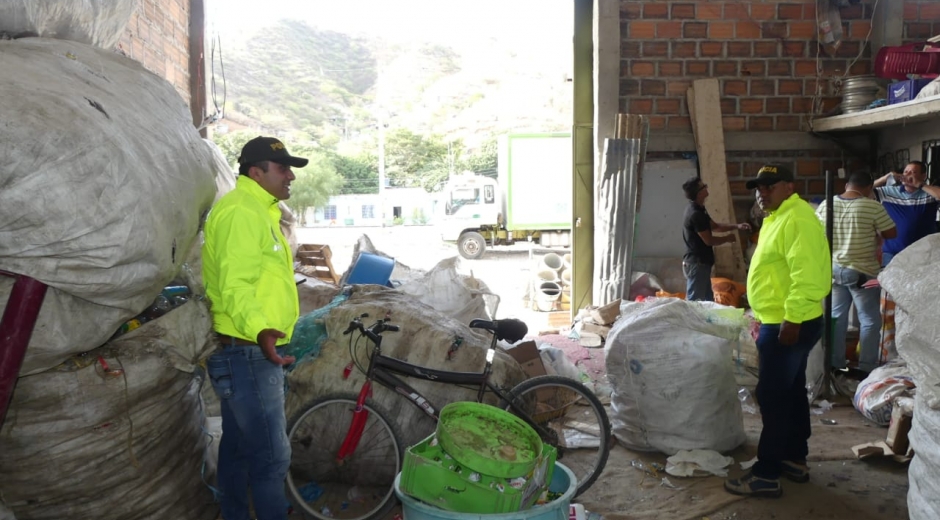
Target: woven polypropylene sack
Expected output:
[102,190]
[95,22]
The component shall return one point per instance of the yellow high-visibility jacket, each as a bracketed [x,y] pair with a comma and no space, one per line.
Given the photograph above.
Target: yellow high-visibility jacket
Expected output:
[791,271]
[247,266]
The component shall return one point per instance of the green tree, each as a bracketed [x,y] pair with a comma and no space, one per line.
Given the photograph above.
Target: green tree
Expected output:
[314,185]
[482,160]
[231,144]
[413,160]
[360,173]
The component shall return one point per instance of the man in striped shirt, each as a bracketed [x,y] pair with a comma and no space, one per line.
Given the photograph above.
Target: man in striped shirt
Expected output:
[912,205]
[856,222]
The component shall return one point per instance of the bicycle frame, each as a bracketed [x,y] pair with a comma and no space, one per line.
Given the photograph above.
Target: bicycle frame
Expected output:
[383,369]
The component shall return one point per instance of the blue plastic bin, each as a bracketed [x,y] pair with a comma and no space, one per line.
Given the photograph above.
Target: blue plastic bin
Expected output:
[563,481]
[371,269]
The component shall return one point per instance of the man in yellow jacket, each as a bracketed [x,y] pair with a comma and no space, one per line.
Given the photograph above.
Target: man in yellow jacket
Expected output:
[790,274]
[248,271]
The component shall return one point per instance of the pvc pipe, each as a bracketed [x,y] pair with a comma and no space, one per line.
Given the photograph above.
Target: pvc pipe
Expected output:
[16,327]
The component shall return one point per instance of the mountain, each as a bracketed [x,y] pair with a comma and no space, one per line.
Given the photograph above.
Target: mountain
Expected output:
[292,77]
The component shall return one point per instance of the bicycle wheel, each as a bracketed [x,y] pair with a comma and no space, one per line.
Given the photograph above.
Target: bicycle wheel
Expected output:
[360,488]
[572,420]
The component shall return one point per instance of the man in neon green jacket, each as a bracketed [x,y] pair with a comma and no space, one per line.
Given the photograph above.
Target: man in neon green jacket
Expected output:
[790,274]
[248,272]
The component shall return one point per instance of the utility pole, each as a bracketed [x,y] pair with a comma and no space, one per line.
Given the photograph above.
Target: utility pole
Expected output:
[381,125]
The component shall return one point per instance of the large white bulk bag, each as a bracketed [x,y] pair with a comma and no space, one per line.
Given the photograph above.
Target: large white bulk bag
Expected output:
[104,182]
[96,22]
[83,443]
[909,280]
[670,364]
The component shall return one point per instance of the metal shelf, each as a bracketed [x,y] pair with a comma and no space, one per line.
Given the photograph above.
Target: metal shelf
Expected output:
[882,117]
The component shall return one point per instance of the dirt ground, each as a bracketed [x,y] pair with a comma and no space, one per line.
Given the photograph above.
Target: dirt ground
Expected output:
[841,487]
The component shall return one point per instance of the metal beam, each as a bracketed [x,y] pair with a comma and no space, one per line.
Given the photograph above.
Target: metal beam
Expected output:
[582,141]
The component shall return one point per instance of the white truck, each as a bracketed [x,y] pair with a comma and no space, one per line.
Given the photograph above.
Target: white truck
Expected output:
[529,200]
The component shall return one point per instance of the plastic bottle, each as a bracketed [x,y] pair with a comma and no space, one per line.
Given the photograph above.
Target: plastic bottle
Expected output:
[747,404]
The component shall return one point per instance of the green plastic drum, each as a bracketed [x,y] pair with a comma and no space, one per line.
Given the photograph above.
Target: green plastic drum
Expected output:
[488,440]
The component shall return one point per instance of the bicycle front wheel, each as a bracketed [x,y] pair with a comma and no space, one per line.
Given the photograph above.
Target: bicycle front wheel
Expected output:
[359,487]
[569,417]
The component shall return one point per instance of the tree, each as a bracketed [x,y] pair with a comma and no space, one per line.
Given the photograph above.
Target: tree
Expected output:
[231,144]
[314,185]
[483,160]
[413,160]
[360,173]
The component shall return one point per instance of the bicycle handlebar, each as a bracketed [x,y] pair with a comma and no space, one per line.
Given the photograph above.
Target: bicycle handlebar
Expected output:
[373,332]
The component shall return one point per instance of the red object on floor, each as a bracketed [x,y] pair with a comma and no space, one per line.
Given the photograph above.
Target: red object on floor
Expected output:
[16,327]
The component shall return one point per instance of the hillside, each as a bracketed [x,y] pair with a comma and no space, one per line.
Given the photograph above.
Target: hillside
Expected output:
[292,77]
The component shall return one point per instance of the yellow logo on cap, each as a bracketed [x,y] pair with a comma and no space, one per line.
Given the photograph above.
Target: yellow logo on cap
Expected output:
[277,145]
[768,169]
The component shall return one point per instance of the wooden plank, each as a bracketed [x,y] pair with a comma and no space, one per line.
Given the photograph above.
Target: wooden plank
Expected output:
[705,111]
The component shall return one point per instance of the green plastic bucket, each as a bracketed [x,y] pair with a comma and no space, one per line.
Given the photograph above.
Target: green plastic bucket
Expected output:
[563,481]
[488,440]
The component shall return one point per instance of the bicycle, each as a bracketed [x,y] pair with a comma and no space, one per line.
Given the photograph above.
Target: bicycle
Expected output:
[346,453]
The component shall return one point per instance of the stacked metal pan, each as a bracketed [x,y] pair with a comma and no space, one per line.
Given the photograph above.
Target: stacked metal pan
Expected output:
[858,92]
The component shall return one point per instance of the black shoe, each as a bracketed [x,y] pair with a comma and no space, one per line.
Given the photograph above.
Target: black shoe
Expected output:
[853,374]
[752,486]
[795,471]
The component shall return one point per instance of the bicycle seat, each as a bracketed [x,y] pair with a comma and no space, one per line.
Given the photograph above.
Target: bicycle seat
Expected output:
[511,330]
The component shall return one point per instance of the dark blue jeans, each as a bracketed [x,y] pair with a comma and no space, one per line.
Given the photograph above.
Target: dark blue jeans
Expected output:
[254,451]
[781,394]
[698,281]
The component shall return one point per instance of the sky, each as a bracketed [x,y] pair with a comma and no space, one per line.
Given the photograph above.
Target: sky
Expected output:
[453,22]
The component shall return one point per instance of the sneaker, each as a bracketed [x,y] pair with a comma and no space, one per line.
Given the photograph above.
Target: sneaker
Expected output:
[795,471]
[752,486]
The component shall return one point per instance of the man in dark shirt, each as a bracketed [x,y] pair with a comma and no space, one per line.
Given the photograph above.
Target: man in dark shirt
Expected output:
[697,229]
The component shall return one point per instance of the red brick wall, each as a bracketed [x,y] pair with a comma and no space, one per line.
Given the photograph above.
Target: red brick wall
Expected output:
[772,73]
[158,37]
[921,20]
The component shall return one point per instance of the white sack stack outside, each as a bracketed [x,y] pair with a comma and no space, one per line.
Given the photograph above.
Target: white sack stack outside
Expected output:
[95,22]
[670,364]
[104,183]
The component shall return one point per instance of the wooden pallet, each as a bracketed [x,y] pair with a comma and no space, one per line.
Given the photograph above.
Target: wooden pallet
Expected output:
[315,261]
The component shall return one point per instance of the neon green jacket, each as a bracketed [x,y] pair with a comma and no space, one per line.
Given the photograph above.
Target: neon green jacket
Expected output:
[247,266]
[791,271]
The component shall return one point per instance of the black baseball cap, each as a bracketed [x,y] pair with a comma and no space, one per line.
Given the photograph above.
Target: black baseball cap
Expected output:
[770,174]
[269,149]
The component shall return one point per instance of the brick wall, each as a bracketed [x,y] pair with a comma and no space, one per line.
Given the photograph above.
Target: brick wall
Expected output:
[773,75]
[158,37]
[921,20]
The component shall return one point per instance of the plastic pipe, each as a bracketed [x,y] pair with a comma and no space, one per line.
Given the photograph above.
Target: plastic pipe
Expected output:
[16,327]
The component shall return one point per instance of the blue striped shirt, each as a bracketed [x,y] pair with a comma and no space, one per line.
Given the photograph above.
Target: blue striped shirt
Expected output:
[914,214]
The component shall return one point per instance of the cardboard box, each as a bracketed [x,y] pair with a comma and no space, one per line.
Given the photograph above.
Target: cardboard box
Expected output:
[898,429]
[906,90]
[527,354]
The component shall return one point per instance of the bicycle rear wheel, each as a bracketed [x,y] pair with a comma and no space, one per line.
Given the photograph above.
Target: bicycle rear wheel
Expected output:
[359,488]
[571,419]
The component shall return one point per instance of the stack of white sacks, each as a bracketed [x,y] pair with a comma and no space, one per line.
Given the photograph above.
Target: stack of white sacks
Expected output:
[104,184]
[910,279]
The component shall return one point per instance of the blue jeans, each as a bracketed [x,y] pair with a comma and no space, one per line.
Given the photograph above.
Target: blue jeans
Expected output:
[698,281]
[845,290]
[781,394]
[254,451]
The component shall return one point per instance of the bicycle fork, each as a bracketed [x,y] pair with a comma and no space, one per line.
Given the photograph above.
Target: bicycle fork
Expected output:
[357,426]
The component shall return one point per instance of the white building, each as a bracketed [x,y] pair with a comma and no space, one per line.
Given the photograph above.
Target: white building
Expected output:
[408,206]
